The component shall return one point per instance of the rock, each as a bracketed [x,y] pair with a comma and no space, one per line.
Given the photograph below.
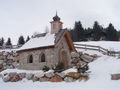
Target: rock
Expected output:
[74,75]
[39,74]
[12,74]
[75,54]
[61,74]
[69,79]
[6,78]
[95,56]
[15,78]
[16,58]
[86,58]
[84,78]
[44,79]
[49,74]
[9,67]
[29,76]
[22,75]
[0,75]
[115,77]
[35,78]
[15,64]
[1,67]
[1,61]
[56,78]
[5,74]
[80,53]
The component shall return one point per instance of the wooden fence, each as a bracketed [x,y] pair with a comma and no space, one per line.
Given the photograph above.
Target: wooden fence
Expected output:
[10,47]
[97,48]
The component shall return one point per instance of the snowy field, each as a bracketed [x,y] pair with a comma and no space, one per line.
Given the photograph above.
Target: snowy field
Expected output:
[100,76]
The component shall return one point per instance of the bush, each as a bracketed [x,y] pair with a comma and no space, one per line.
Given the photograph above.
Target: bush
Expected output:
[46,68]
[59,67]
[82,69]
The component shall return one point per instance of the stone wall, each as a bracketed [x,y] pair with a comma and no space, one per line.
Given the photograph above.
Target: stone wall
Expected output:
[36,65]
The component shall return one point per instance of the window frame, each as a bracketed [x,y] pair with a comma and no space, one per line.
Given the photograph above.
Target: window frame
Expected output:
[42,58]
[30,58]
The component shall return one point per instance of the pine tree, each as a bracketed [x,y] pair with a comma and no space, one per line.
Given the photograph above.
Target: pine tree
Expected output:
[97,30]
[111,33]
[79,31]
[21,40]
[8,43]
[119,34]
[28,38]
[2,41]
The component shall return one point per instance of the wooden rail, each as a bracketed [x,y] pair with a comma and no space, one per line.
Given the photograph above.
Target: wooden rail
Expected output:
[97,48]
[10,47]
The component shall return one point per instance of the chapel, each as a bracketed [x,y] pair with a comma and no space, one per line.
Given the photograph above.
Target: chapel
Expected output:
[47,49]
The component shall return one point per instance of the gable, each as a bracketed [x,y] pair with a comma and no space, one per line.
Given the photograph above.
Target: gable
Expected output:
[68,39]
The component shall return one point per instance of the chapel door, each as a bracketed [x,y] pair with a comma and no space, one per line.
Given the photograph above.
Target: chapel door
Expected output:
[63,58]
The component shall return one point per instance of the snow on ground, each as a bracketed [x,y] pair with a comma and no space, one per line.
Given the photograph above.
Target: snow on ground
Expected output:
[100,76]
[110,45]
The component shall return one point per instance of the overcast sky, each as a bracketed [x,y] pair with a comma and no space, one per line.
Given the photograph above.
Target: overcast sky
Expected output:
[24,17]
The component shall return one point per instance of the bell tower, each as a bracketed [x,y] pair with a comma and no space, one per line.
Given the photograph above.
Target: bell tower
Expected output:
[56,24]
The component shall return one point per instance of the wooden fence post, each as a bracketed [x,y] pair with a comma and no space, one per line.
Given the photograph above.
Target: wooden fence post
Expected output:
[85,47]
[99,48]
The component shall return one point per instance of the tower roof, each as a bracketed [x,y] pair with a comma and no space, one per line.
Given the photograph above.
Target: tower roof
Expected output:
[56,17]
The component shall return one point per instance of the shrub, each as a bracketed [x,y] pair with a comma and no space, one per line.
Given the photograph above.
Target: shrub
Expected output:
[46,68]
[59,67]
[82,68]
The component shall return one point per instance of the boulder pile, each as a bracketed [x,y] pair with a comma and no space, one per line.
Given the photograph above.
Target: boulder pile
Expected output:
[44,77]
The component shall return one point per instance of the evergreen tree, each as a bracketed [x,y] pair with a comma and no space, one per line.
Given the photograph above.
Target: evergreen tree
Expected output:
[97,30]
[119,34]
[73,35]
[89,34]
[111,33]
[28,38]
[21,40]
[2,41]
[79,31]
[8,43]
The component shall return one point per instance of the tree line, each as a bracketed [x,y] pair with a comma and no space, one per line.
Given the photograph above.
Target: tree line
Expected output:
[96,33]
[79,33]
[21,41]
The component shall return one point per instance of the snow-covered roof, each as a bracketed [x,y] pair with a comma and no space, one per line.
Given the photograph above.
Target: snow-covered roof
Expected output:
[47,40]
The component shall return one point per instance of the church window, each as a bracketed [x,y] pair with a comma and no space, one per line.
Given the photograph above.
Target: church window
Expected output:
[30,59]
[42,57]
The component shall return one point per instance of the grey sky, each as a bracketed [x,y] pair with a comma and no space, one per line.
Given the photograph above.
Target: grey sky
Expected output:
[24,17]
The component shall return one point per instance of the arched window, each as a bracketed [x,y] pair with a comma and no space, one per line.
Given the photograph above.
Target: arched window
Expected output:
[30,59]
[42,57]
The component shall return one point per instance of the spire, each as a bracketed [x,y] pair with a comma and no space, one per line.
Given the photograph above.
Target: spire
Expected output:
[56,12]
[56,17]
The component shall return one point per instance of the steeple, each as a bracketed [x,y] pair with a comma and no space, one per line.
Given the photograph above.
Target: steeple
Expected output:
[56,18]
[56,24]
